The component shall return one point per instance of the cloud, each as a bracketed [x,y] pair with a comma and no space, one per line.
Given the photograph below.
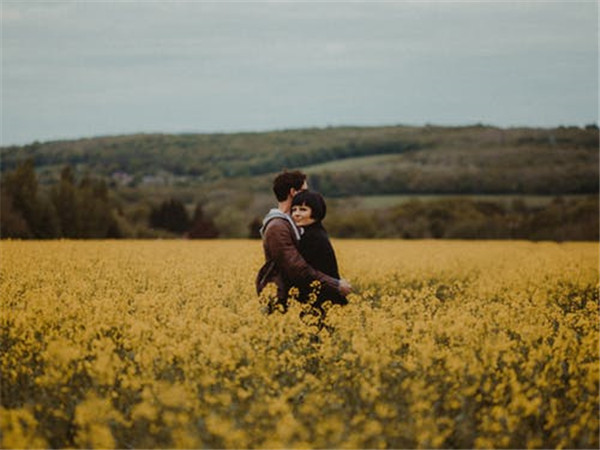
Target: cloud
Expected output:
[115,67]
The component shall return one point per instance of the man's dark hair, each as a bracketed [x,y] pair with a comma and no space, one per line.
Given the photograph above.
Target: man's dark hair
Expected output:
[286,181]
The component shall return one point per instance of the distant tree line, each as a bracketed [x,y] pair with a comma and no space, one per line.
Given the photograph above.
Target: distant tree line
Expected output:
[211,157]
[188,158]
[524,180]
[82,209]
[560,220]
[86,208]
[69,210]
[171,215]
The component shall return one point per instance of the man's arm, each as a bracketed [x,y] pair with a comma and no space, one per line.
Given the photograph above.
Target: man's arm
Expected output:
[279,240]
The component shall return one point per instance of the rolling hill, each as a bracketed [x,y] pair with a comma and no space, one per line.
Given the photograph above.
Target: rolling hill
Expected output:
[230,174]
[380,160]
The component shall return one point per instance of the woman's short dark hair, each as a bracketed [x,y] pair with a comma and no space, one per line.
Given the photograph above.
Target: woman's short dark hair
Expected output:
[286,181]
[314,200]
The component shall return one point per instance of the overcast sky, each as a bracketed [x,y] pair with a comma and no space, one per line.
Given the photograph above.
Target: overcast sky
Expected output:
[75,69]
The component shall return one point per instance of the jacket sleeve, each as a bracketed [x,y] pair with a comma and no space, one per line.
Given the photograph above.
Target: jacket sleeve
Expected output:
[279,240]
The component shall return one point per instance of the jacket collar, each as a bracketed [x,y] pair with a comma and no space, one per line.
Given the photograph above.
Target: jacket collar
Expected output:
[276,213]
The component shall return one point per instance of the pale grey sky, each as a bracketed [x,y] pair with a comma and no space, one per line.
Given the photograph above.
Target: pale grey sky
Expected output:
[75,69]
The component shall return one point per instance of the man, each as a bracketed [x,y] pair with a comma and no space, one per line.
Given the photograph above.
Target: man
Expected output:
[283,262]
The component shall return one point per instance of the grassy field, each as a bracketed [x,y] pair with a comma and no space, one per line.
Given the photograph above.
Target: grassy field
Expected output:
[362,202]
[376,163]
[161,344]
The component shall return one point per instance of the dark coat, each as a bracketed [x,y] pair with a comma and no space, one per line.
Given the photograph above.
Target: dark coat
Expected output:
[318,252]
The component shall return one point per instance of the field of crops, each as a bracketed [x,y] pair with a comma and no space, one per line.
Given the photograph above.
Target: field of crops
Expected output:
[445,344]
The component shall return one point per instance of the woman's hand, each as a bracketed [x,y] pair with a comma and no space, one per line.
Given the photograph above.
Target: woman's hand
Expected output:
[345,287]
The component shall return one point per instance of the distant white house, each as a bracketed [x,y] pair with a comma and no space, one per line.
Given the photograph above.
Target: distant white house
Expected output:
[122,178]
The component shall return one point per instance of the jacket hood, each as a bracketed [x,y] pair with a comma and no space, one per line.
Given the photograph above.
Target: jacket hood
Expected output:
[277,214]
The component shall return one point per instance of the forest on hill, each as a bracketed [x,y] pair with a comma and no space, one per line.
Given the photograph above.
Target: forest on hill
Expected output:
[439,182]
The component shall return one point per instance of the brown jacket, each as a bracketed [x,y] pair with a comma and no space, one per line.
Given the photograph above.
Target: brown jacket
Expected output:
[283,263]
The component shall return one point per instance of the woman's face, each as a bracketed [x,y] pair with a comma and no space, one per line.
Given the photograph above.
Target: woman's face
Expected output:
[302,215]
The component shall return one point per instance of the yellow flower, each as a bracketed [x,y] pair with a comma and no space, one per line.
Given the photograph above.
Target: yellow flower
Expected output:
[162,344]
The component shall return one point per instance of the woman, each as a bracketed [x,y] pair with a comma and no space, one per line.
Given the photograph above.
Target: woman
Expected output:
[308,211]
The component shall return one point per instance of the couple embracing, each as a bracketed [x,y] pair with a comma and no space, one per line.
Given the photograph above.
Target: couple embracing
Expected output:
[299,258]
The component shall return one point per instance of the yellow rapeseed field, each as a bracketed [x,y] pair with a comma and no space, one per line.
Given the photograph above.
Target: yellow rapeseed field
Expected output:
[445,344]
